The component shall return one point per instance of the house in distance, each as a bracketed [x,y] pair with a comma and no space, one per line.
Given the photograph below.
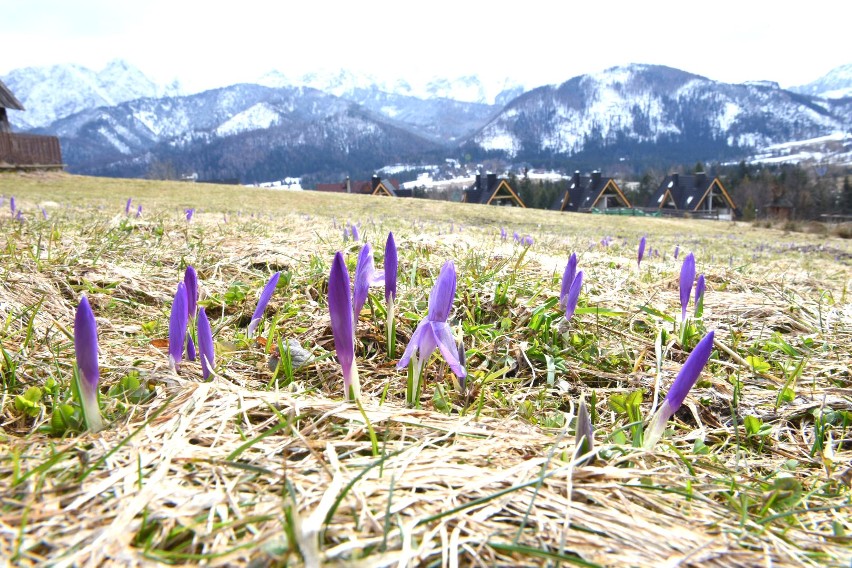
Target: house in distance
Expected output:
[697,195]
[593,192]
[491,190]
[24,151]
[376,186]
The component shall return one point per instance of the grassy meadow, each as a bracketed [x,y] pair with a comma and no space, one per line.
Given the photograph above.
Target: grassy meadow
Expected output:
[267,464]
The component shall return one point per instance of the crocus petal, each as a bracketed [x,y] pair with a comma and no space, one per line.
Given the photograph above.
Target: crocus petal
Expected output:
[641,254]
[354,231]
[699,294]
[86,343]
[687,277]
[391,267]
[447,345]
[568,279]
[340,310]
[573,295]
[127,206]
[413,344]
[443,293]
[363,274]
[190,348]
[190,280]
[265,296]
[12,203]
[676,251]
[139,211]
[205,345]
[689,373]
[585,437]
[177,327]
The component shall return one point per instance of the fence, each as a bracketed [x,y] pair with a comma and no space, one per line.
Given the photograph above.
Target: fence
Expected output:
[29,151]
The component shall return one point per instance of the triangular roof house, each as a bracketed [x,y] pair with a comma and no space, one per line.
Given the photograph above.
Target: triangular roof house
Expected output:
[376,186]
[491,190]
[24,151]
[7,100]
[698,194]
[585,193]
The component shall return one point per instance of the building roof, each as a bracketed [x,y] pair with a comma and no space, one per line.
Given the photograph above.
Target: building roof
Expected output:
[584,192]
[689,193]
[489,189]
[7,99]
[374,186]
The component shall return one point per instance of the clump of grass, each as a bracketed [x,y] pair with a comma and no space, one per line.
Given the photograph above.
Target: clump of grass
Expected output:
[267,464]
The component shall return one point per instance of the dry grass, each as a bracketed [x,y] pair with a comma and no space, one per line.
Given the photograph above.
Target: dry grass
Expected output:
[250,469]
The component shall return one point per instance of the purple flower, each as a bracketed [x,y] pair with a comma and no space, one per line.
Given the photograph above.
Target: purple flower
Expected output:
[12,204]
[190,280]
[354,232]
[699,296]
[207,353]
[366,275]
[687,277]
[516,236]
[434,331]
[503,234]
[178,321]
[86,351]
[676,251]
[641,252]
[127,206]
[683,383]
[265,296]
[585,437]
[573,295]
[190,348]
[139,211]
[44,213]
[342,326]
[527,241]
[568,279]
[345,234]
[189,214]
[391,268]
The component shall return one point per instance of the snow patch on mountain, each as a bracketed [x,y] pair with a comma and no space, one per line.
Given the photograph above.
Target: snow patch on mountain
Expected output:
[835,84]
[256,117]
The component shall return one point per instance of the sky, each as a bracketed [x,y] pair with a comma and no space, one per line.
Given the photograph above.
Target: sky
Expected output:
[534,42]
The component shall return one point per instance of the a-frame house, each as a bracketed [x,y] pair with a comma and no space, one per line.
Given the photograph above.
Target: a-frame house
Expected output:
[585,193]
[491,190]
[698,195]
[24,151]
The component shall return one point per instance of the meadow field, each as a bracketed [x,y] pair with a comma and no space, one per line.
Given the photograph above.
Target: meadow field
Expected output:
[267,463]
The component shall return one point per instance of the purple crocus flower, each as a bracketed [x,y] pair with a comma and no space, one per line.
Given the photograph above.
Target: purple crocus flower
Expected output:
[207,352]
[687,277]
[265,296]
[434,331]
[342,324]
[366,275]
[568,279]
[19,216]
[585,432]
[178,321]
[699,296]
[138,211]
[391,268]
[573,295]
[189,214]
[641,254]
[190,280]
[12,204]
[345,234]
[127,206]
[503,234]
[527,241]
[86,351]
[683,383]
[676,251]
[516,236]
[44,213]
[353,230]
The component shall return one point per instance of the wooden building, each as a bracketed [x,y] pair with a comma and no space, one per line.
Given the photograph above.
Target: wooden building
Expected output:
[376,186]
[585,193]
[24,151]
[697,195]
[491,190]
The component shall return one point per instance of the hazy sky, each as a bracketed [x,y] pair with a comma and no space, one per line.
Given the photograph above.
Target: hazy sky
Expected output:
[212,43]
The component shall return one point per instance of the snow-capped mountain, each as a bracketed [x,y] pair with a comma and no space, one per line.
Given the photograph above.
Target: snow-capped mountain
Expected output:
[246,132]
[51,93]
[342,83]
[623,107]
[835,84]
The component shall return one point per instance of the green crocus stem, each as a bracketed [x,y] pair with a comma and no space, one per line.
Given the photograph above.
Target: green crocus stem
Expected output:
[657,425]
[415,372]
[390,330]
[89,404]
